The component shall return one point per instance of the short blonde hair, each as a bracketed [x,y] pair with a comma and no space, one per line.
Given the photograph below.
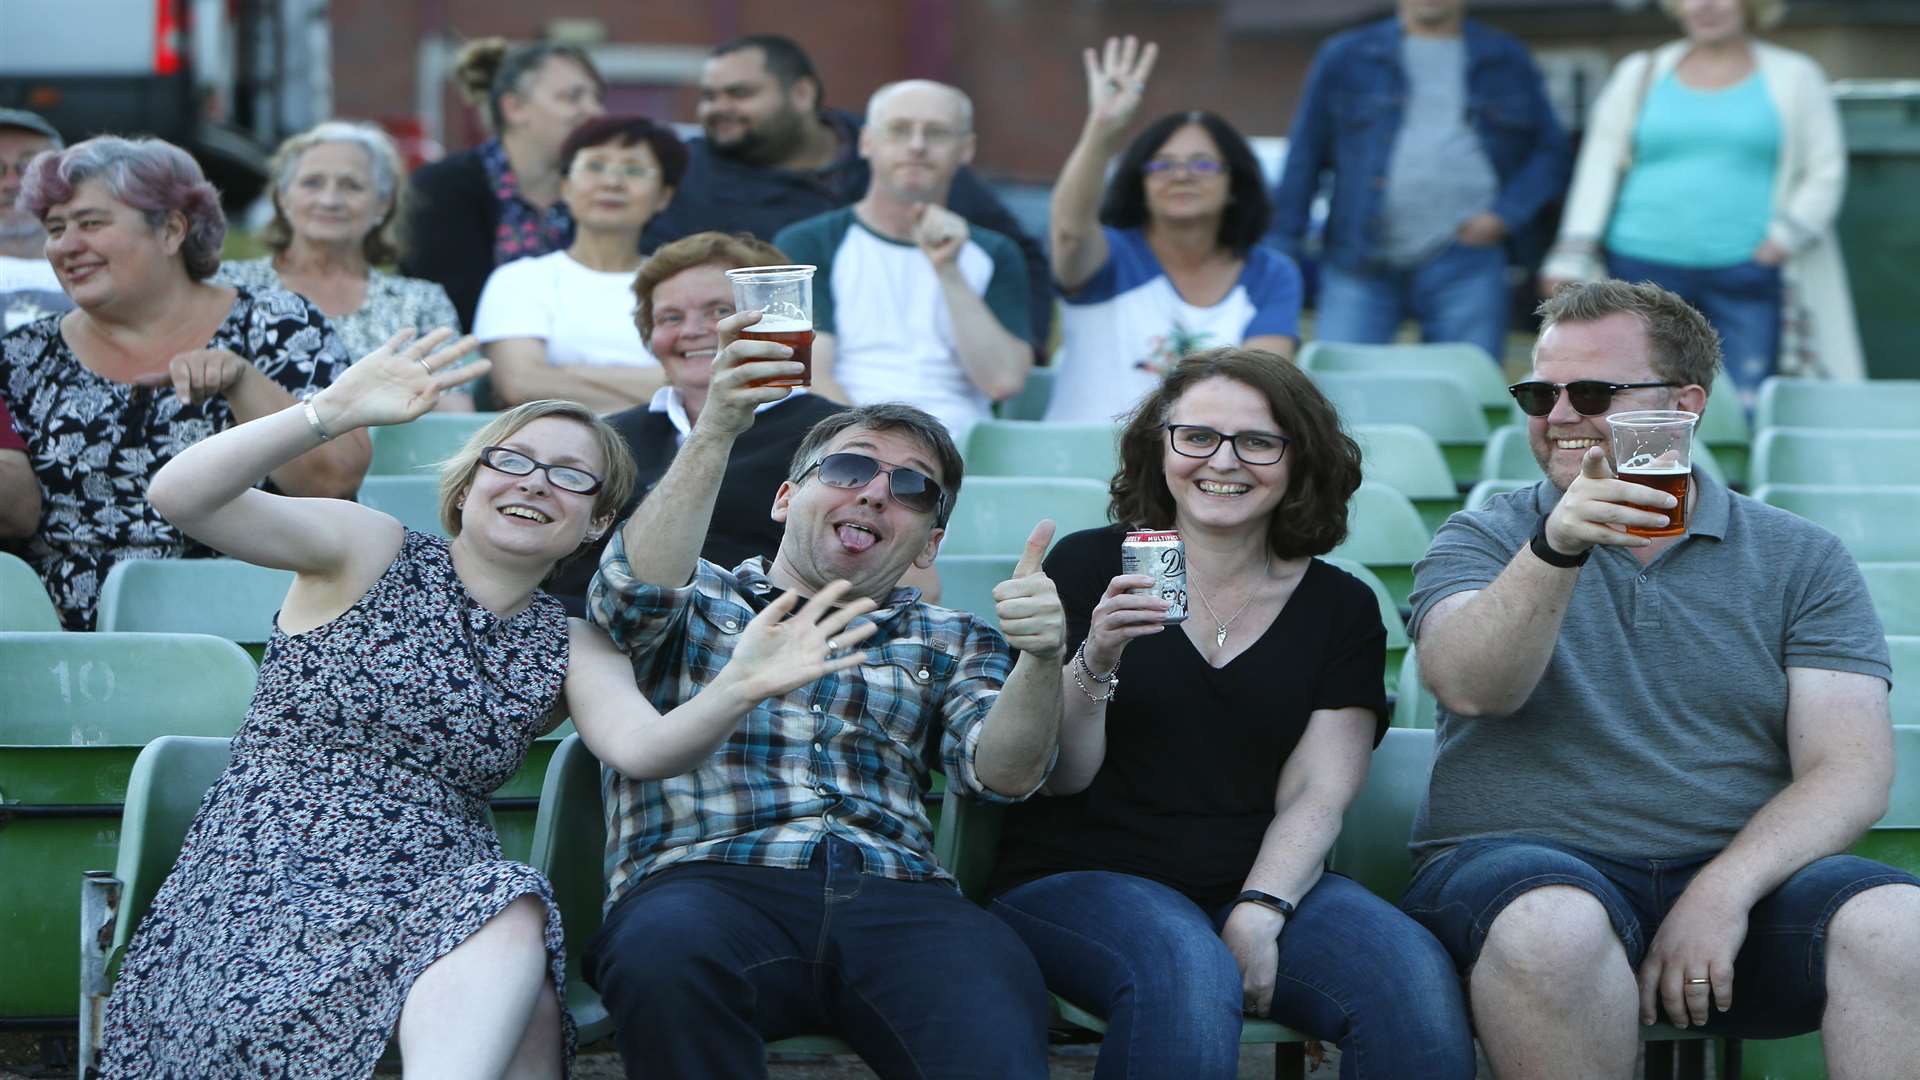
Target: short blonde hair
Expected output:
[616,486]
[1761,14]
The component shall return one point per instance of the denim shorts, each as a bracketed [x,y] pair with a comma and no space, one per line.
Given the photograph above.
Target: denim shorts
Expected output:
[1459,892]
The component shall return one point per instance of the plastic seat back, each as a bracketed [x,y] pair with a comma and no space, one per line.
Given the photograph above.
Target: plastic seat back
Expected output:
[1031,448]
[1397,643]
[223,597]
[414,500]
[100,689]
[1875,523]
[1484,491]
[995,514]
[1415,707]
[1437,404]
[1849,458]
[419,446]
[1904,650]
[170,778]
[1852,406]
[967,581]
[24,603]
[1895,838]
[1385,533]
[1032,400]
[1896,595]
[1372,846]
[1462,361]
[569,843]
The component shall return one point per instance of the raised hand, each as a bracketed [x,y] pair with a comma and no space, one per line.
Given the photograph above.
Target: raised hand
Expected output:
[1027,604]
[1117,80]
[1120,616]
[1597,508]
[741,363]
[777,654]
[199,374]
[940,233]
[400,380]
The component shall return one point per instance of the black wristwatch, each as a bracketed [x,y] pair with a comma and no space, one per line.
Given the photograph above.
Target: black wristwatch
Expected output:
[1545,553]
[1265,900]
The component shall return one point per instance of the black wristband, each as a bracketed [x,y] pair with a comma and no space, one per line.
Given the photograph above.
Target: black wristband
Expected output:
[1545,553]
[1265,900]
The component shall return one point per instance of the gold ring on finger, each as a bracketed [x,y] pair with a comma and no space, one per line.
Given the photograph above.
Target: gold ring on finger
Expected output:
[1698,982]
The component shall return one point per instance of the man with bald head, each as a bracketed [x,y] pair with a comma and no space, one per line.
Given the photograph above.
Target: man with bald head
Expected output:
[912,303]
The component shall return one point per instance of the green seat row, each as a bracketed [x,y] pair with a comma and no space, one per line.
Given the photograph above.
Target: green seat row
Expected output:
[1848,406]
[1875,523]
[1437,404]
[1853,458]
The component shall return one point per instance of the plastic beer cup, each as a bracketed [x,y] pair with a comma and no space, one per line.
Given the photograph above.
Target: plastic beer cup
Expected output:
[1655,447]
[784,297]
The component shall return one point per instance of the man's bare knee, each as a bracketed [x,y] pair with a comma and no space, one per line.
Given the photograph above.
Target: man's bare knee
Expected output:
[1874,938]
[1554,934]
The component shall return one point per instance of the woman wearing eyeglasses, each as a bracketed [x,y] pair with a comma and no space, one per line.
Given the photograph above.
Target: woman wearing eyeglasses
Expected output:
[1170,877]
[1169,261]
[560,325]
[342,880]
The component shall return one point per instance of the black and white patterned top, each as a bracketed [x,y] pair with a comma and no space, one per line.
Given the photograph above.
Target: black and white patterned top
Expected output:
[393,303]
[95,443]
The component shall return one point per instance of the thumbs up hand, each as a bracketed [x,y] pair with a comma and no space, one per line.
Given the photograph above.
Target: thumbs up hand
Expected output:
[1027,604]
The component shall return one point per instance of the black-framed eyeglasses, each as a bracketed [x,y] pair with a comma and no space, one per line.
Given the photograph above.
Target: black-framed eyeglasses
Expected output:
[911,488]
[564,477]
[1251,447]
[1590,397]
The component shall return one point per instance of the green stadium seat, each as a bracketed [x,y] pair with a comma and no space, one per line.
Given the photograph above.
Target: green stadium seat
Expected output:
[1836,458]
[24,603]
[1438,404]
[1875,523]
[1385,533]
[414,500]
[967,581]
[1850,406]
[1725,431]
[1463,361]
[419,446]
[1904,649]
[1485,490]
[79,708]
[1896,595]
[1031,448]
[1372,846]
[1397,643]
[1407,459]
[1032,400]
[1509,457]
[1415,707]
[223,597]
[995,514]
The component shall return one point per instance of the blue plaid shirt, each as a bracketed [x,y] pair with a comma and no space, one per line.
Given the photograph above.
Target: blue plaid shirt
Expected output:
[847,754]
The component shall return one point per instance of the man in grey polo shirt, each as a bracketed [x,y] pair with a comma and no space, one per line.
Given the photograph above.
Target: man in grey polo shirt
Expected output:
[1652,752]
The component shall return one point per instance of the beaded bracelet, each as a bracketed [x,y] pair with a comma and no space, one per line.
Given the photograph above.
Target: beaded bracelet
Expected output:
[1111,680]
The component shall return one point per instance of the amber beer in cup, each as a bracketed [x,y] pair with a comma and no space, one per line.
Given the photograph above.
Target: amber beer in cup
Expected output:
[1655,447]
[784,297]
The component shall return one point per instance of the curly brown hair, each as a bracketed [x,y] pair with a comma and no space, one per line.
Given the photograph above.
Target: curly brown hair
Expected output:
[1324,463]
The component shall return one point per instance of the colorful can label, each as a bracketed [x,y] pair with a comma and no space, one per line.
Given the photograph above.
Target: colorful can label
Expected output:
[1162,557]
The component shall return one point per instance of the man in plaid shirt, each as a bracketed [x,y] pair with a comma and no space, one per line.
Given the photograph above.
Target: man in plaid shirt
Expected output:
[777,877]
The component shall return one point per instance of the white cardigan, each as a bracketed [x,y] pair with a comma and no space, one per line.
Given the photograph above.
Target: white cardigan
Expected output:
[1819,337]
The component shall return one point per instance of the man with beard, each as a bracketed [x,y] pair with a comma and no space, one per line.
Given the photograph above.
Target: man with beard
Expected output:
[28,287]
[912,303]
[773,154]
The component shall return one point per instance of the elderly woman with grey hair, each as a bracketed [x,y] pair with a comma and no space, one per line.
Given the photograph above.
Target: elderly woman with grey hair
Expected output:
[336,214]
[153,358]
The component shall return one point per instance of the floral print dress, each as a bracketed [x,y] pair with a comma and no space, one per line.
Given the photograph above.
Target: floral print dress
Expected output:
[95,444]
[347,847]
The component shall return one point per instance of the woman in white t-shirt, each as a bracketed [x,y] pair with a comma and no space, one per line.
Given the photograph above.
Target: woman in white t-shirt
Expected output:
[561,325]
[1169,262]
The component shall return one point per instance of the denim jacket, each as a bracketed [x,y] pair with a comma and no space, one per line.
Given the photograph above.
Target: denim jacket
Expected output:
[1355,97]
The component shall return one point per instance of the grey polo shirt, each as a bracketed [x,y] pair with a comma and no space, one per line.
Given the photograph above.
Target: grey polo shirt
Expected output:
[1660,725]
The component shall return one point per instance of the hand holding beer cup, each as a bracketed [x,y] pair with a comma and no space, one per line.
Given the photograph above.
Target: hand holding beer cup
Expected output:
[742,372]
[1654,447]
[1599,508]
[783,295]
[1027,604]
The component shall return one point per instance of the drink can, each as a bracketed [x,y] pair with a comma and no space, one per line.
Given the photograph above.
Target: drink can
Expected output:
[1162,557]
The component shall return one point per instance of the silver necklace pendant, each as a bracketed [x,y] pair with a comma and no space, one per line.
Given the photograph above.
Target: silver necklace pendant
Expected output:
[1220,639]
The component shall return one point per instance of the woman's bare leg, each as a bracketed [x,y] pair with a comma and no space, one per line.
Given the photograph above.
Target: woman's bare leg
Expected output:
[468,1014]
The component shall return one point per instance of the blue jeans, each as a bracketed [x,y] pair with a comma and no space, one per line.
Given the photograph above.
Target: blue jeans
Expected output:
[1741,302]
[703,963]
[1458,893]
[1458,295]
[1150,961]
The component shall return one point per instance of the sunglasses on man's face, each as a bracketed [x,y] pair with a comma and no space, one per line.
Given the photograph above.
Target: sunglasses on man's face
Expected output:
[1590,397]
[911,488]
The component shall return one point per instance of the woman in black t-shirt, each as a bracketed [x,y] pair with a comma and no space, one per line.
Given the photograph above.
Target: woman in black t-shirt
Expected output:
[1173,880]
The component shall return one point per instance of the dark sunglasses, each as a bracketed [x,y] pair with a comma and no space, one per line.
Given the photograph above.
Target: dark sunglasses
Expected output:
[515,463]
[911,488]
[1590,397]
[1251,447]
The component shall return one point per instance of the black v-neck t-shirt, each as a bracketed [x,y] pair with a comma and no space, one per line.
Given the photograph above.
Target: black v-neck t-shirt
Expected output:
[1186,791]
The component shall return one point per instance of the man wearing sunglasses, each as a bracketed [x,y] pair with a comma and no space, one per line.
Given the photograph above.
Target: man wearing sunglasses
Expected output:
[785,883]
[1653,752]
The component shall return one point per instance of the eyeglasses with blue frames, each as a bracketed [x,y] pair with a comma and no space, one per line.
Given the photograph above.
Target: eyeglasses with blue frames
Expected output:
[1251,447]
[911,488]
[564,477]
[1589,397]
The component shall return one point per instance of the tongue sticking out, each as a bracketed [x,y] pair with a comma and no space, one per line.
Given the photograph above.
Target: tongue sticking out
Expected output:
[854,539]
